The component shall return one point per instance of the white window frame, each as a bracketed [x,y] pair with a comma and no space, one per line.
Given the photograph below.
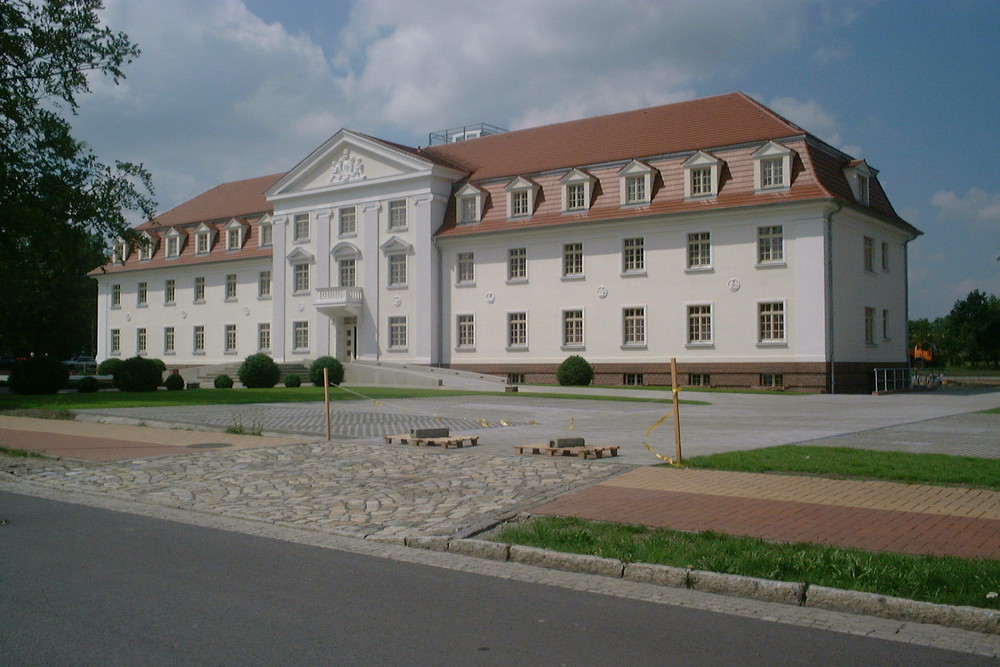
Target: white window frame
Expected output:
[572,259]
[347,272]
[699,251]
[763,310]
[465,331]
[141,342]
[147,249]
[465,269]
[199,289]
[300,336]
[633,327]
[263,336]
[229,341]
[173,245]
[169,292]
[694,167]
[301,228]
[397,333]
[700,324]
[859,176]
[396,270]
[231,286]
[577,191]
[518,189]
[234,238]
[198,339]
[202,244]
[116,295]
[300,278]
[469,200]
[573,320]
[397,215]
[634,256]
[517,265]
[265,233]
[517,330]
[142,293]
[772,167]
[115,342]
[643,175]
[347,221]
[869,254]
[769,251]
[264,284]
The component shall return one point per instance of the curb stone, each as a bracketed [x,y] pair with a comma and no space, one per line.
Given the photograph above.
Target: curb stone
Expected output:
[481,549]
[661,575]
[786,592]
[608,567]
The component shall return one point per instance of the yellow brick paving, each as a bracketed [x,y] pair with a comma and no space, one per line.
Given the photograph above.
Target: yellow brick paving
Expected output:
[891,496]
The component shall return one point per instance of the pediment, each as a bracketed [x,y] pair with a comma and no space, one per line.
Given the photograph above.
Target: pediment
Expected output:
[204,228]
[701,159]
[862,167]
[469,190]
[521,183]
[174,232]
[345,250]
[396,244]
[299,255]
[577,176]
[635,168]
[771,150]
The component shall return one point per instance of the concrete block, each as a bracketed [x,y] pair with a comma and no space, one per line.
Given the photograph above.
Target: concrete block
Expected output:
[567,442]
[430,432]
[480,549]
[387,539]
[786,592]
[430,542]
[661,575]
[608,567]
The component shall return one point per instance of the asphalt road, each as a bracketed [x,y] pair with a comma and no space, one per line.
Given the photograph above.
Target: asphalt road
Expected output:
[86,586]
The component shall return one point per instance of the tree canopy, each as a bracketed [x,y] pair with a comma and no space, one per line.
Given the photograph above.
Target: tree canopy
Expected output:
[59,204]
[968,335]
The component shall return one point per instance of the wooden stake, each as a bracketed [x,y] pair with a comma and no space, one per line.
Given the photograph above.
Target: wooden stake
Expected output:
[677,410]
[326,399]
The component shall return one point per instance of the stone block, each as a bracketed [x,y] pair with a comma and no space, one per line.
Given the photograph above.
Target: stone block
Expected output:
[567,442]
[608,567]
[661,575]
[430,542]
[786,592]
[480,549]
[430,432]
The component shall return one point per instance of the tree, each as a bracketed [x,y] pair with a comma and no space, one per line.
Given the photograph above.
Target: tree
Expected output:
[973,327]
[58,203]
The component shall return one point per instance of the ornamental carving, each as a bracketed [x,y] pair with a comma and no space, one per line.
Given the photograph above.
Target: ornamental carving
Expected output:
[347,168]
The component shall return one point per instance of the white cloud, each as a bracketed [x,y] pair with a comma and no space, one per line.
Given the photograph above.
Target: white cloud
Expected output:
[977,210]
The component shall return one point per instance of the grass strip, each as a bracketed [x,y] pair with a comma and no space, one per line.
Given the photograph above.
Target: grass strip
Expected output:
[22,453]
[864,464]
[943,580]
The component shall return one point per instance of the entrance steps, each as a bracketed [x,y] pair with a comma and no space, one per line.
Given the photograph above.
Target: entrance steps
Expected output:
[416,375]
[206,374]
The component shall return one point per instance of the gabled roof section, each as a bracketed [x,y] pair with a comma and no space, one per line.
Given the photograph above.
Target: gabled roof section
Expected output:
[229,200]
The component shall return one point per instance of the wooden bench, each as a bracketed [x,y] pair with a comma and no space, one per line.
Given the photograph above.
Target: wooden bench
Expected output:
[446,442]
[583,452]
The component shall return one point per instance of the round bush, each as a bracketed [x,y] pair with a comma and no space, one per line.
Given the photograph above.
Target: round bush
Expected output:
[575,371]
[138,374]
[293,381]
[223,382]
[174,382]
[109,366]
[259,371]
[38,375]
[159,364]
[88,384]
[336,371]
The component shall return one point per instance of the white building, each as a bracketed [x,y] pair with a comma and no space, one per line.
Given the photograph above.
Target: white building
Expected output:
[713,231]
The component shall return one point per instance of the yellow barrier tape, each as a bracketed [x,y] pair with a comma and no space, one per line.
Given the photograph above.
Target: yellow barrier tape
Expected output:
[572,424]
[659,422]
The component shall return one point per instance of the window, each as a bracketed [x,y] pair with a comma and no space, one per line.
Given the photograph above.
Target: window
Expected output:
[264,336]
[266,234]
[141,296]
[635,183]
[573,259]
[771,322]
[199,339]
[397,270]
[869,326]
[348,273]
[300,227]
[699,380]
[772,174]
[168,340]
[576,196]
[699,320]
[230,338]
[515,378]
[701,181]
[635,189]
[633,326]
[230,287]
[146,249]
[863,188]
[519,204]
[572,328]
[701,175]
[169,290]
[468,209]
[173,246]
[264,284]
[517,264]
[885,324]
[772,380]
[772,165]
[234,238]
[348,221]
[521,193]
[116,341]
[201,243]
[120,252]
[300,277]
[699,250]
[633,255]
[397,214]
[140,341]
[869,254]
[577,186]
[397,332]
[199,289]
[517,330]
[466,272]
[885,256]
[300,336]
[633,379]
[116,296]
[469,203]
[465,333]
[770,245]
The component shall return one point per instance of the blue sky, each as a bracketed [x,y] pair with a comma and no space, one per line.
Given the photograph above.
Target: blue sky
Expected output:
[228,89]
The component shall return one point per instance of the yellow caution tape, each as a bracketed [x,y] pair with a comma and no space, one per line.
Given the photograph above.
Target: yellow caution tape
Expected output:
[657,425]
[572,424]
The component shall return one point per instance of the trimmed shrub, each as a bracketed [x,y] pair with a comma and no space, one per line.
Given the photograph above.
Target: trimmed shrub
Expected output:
[223,382]
[336,371]
[174,382]
[38,375]
[88,384]
[575,371]
[159,364]
[139,374]
[259,371]
[293,381]
[109,366]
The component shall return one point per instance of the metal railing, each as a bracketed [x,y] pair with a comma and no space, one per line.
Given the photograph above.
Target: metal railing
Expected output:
[893,379]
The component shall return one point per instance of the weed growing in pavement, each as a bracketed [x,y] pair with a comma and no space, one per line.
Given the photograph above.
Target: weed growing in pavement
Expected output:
[255,428]
[40,413]
[22,453]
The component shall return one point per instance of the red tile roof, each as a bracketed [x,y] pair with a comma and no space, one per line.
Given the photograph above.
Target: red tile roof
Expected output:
[229,200]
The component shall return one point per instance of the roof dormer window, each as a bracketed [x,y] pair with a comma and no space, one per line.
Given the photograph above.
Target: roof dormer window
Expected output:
[636,182]
[120,252]
[235,234]
[148,246]
[577,191]
[204,236]
[469,201]
[265,229]
[772,167]
[859,176]
[174,242]
[521,194]
[701,175]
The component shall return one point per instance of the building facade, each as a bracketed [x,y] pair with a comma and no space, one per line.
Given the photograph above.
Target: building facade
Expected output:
[713,231]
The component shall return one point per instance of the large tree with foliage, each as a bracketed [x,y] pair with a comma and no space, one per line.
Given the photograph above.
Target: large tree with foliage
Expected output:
[59,205]
[968,335]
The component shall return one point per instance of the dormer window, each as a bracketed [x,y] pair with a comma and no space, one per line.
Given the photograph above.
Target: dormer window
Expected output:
[235,233]
[772,167]
[469,202]
[859,175]
[701,175]
[265,232]
[148,247]
[521,194]
[636,183]
[120,252]
[174,240]
[577,189]
[204,236]
[863,188]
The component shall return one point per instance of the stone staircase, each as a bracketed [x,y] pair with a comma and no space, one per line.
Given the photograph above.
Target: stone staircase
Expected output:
[206,374]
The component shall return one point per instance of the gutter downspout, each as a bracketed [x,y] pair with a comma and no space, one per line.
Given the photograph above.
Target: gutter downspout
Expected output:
[438,285]
[829,296]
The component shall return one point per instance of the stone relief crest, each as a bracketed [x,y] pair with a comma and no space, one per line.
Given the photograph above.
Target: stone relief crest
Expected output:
[347,168]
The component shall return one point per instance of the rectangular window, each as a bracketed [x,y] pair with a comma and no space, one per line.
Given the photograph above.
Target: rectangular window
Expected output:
[146,250]
[885,324]
[772,380]
[173,246]
[517,264]
[515,378]
[517,330]
[633,379]
[699,324]
[348,221]
[869,326]
[699,380]
[116,341]
[573,259]
[466,272]
[199,289]
[771,322]
[230,286]
[701,181]
[300,277]
[869,254]
[233,239]
[199,339]
[230,338]
[201,243]
[168,340]
[772,173]
[397,332]
[770,245]
[264,336]
[576,196]
[397,214]
[397,270]
[863,189]
[699,250]
[116,296]
[633,255]
[169,290]
[140,341]
[141,294]
[348,273]
[468,210]
[300,336]
[264,284]
[635,189]
[633,326]
[885,256]
[266,235]
[465,333]
[572,328]
[519,203]
[300,227]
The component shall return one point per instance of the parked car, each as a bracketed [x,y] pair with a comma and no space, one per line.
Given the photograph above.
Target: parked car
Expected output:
[81,363]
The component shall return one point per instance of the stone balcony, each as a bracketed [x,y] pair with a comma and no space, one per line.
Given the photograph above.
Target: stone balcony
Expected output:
[339,300]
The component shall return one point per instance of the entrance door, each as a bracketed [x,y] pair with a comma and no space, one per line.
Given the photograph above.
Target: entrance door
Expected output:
[350,330]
